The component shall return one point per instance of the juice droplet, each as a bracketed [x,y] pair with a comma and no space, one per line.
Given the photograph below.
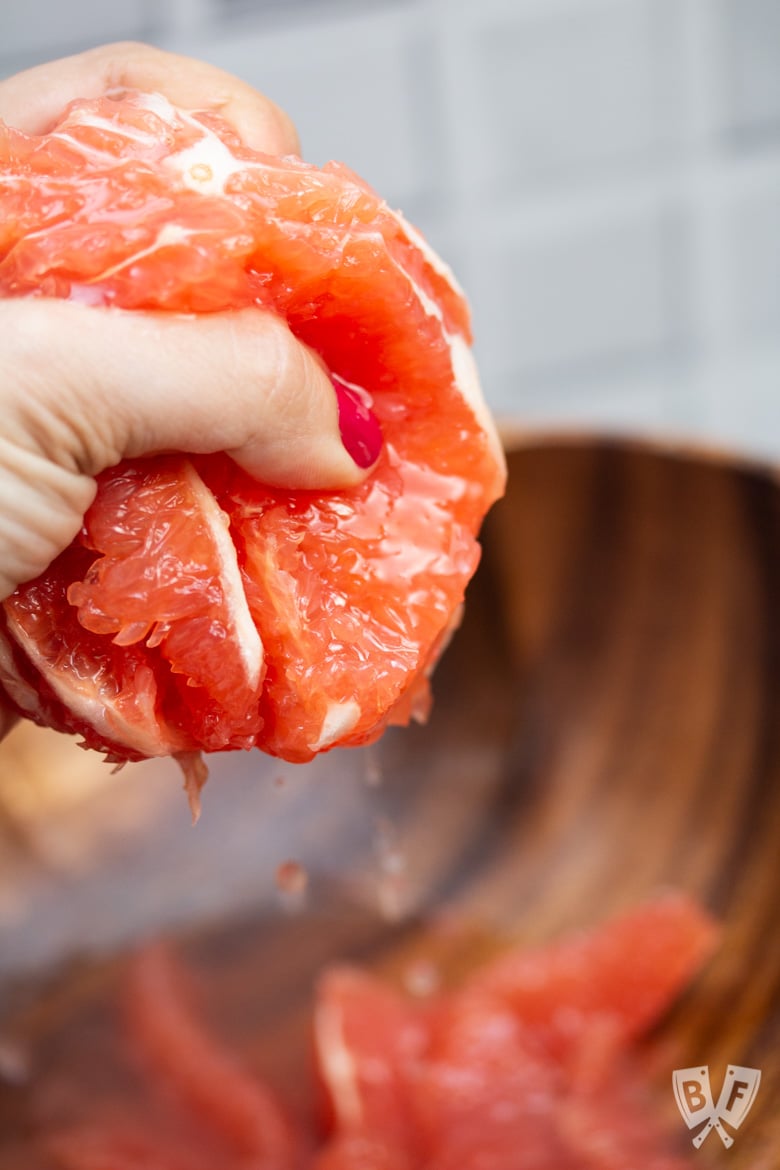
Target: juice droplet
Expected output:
[372,768]
[392,884]
[422,978]
[14,1064]
[292,880]
[390,855]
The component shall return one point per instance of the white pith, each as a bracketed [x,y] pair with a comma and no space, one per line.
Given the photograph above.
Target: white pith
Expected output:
[170,233]
[337,1063]
[207,165]
[245,635]
[464,373]
[15,686]
[97,709]
[340,719]
[432,258]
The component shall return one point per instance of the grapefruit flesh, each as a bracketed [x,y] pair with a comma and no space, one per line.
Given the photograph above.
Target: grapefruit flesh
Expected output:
[205,1079]
[368,1038]
[624,975]
[291,621]
[470,1079]
[496,1078]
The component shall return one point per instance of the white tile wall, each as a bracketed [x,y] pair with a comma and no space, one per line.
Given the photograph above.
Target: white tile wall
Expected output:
[36,30]
[544,93]
[603,174]
[607,277]
[754,252]
[751,58]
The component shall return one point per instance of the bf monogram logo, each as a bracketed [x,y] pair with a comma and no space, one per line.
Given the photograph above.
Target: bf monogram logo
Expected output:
[694,1100]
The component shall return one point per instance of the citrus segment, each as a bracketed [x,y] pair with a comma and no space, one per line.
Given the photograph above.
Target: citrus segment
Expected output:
[184,1059]
[366,1038]
[361,1152]
[168,576]
[24,696]
[482,1062]
[348,583]
[135,204]
[627,972]
[461,1079]
[118,1147]
[528,1064]
[85,685]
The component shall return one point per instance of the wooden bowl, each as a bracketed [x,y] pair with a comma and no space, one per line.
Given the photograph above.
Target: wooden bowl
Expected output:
[606,724]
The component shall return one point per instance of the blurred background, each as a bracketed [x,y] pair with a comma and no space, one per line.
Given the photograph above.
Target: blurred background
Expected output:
[603,175]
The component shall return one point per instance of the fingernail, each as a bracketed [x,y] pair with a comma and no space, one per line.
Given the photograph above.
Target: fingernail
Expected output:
[359,426]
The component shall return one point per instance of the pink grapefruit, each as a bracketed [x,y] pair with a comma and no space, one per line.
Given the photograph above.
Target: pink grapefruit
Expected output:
[199,609]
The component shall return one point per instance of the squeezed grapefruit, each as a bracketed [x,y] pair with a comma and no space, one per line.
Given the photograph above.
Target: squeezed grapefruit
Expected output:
[199,609]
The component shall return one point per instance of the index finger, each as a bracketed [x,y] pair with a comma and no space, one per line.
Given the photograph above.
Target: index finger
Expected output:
[32,101]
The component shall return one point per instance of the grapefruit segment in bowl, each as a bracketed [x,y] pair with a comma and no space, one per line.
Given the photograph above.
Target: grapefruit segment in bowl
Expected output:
[245,615]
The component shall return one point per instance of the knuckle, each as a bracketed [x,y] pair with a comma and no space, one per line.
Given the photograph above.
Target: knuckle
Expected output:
[289,376]
[118,54]
[285,131]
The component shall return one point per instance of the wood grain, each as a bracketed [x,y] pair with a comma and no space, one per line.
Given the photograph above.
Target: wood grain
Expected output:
[606,724]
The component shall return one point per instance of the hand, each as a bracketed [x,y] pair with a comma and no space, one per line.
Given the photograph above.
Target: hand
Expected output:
[82,388]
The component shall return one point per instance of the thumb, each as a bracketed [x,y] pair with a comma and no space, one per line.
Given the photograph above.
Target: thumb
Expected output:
[82,388]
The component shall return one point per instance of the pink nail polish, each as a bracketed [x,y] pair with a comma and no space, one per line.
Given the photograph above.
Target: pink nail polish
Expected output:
[360,430]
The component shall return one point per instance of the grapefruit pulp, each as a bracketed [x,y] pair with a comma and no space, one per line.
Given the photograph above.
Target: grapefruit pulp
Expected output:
[199,609]
[528,1065]
[479,1077]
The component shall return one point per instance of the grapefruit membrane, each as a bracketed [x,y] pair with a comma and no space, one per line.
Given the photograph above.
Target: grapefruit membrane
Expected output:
[199,610]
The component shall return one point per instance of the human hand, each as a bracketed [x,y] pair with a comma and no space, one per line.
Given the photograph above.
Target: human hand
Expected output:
[82,388]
